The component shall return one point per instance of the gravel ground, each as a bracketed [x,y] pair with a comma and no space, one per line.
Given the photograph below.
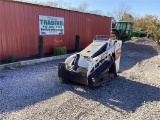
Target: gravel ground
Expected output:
[35,92]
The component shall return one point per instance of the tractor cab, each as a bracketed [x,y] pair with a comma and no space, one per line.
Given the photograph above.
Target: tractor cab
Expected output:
[124,27]
[123,30]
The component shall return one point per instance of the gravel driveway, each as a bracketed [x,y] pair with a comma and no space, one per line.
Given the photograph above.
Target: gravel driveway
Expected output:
[35,92]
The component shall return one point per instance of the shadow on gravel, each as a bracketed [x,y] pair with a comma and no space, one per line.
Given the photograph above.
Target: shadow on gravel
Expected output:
[133,53]
[119,94]
[122,94]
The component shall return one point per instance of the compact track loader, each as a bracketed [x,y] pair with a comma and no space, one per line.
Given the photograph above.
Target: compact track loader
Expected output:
[96,64]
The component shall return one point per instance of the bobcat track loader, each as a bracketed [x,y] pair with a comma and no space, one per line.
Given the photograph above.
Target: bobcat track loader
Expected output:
[93,66]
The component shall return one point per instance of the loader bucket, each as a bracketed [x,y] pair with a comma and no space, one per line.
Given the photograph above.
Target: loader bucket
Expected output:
[71,75]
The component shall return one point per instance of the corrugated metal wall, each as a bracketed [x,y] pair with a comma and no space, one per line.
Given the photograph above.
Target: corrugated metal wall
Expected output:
[19,28]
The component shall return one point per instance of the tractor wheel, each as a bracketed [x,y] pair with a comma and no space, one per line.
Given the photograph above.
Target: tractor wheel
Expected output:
[142,35]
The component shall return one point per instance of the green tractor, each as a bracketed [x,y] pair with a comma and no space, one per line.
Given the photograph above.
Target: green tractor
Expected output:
[124,31]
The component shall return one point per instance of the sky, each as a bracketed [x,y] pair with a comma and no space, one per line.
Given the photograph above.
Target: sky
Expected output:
[138,7]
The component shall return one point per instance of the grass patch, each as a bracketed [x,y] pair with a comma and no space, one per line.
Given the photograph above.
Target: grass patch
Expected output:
[59,51]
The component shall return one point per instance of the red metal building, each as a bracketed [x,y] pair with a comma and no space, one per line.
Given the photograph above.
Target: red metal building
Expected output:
[19,28]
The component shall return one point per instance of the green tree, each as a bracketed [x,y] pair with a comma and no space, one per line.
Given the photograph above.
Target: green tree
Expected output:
[150,24]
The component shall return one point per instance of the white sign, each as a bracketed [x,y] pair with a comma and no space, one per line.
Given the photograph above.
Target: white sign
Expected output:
[49,25]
